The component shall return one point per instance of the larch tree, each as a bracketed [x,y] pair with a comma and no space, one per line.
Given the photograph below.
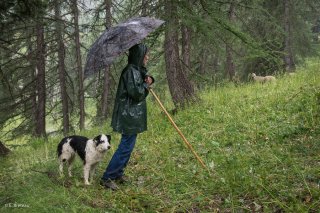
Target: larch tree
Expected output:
[59,30]
[40,73]
[80,75]
[185,46]
[104,104]
[288,54]
[230,67]
[181,89]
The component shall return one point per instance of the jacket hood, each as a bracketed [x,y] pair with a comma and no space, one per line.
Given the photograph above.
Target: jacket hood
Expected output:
[136,54]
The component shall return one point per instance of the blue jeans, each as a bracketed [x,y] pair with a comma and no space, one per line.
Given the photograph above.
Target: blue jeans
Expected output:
[120,158]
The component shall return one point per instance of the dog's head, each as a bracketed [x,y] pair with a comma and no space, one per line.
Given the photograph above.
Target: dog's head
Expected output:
[102,142]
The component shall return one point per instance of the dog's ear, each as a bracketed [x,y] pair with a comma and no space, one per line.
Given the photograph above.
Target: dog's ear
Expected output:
[97,139]
[109,138]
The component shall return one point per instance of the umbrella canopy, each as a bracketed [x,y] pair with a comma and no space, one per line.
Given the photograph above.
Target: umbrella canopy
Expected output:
[118,39]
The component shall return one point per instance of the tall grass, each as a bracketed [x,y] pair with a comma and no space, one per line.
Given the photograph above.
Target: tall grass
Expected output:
[260,142]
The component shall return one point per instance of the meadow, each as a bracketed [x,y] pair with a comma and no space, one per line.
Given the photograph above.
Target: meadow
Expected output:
[260,142]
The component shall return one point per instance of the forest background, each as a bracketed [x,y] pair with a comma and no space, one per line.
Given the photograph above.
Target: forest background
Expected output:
[259,142]
[203,43]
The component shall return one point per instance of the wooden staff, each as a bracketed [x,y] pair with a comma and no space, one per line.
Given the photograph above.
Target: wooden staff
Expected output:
[178,130]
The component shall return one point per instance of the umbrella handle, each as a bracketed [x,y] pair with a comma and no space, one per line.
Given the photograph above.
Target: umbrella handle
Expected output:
[178,130]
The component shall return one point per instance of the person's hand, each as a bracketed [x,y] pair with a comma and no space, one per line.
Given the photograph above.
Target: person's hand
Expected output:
[149,80]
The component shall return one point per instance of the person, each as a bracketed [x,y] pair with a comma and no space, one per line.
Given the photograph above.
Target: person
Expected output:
[129,114]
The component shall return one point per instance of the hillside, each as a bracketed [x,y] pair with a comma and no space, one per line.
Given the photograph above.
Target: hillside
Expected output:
[260,143]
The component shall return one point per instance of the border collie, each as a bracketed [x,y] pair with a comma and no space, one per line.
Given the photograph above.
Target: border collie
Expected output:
[91,151]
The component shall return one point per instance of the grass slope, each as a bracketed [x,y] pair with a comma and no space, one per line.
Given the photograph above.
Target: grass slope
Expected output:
[260,142]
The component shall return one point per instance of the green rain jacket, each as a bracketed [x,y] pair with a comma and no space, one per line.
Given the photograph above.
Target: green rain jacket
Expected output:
[130,109]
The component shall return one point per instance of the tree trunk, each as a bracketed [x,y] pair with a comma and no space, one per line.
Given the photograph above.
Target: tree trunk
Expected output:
[79,64]
[40,129]
[229,63]
[203,61]
[104,106]
[32,57]
[180,87]
[61,68]
[105,94]
[144,7]
[288,57]
[186,46]
[229,57]
[3,150]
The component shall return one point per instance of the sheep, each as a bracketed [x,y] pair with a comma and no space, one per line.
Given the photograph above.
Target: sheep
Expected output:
[263,79]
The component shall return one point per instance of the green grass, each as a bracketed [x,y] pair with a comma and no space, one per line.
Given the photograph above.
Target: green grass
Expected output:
[260,143]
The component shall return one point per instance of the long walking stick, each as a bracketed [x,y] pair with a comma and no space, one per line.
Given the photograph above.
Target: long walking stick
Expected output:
[178,130]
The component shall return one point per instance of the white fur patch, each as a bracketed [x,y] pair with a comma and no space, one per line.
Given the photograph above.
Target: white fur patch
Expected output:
[67,151]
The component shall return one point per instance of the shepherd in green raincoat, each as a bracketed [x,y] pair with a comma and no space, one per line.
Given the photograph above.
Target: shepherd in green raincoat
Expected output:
[130,113]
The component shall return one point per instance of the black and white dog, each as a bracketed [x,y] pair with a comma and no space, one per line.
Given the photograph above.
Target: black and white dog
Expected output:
[91,151]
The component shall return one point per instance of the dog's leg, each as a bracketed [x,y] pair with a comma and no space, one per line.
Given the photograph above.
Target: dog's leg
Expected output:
[70,161]
[86,171]
[61,168]
[92,171]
